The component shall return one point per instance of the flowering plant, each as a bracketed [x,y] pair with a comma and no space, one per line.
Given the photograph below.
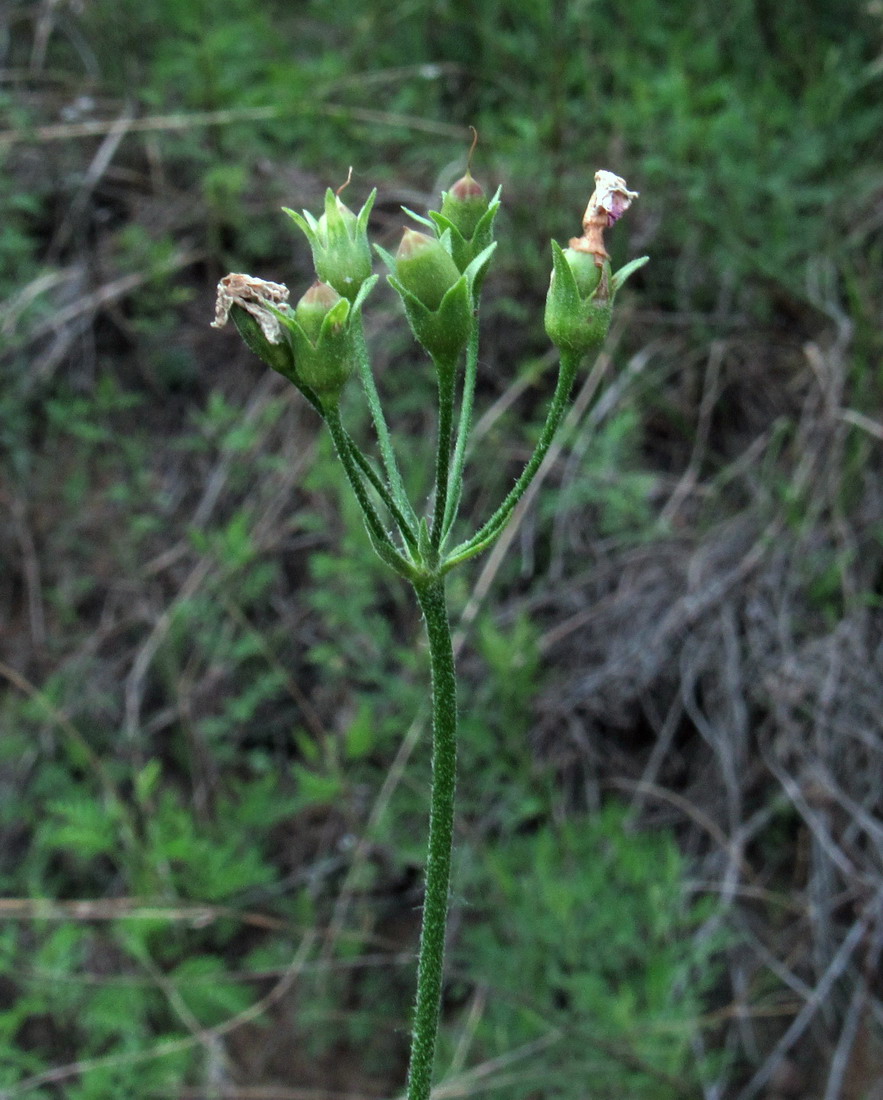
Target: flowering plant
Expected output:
[319,344]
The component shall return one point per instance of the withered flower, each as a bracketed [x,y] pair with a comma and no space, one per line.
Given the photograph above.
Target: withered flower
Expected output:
[610,200]
[253,295]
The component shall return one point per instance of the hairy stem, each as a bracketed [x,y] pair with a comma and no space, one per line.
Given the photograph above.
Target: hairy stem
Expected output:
[384,493]
[387,453]
[430,965]
[464,424]
[446,376]
[483,538]
[379,538]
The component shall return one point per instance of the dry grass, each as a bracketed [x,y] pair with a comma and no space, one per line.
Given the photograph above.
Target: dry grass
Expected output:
[706,676]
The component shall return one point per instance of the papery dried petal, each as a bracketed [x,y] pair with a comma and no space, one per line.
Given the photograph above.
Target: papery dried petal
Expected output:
[610,200]
[253,295]
[611,197]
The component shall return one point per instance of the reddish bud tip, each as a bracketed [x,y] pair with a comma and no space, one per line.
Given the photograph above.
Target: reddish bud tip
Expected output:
[413,243]
[320,295]
[464,205]
[466,189]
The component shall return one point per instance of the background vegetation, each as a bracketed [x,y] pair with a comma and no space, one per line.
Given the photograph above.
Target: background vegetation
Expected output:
[669,876]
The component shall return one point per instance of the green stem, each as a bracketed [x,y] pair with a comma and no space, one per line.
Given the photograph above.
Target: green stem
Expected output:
[387,453]
[431,595]
[407,530]
[379,538]
[484,537]
[371,474]
[464,425]
[447,373]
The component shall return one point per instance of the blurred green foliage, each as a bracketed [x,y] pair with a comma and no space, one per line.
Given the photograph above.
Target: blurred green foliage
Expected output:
[588,962]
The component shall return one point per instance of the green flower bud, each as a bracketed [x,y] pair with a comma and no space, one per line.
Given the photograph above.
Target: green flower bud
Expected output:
[577,312]
[439,301]
[323,342]
[464,205]
[468,215]
[425,268]
[339,243]
[314,307]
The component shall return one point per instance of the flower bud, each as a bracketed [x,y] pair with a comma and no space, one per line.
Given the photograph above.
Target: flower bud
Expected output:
[468,216]
[323,342]
[580,299]
[439,301]
[464,205]
[346,261]
[339,243]
[314,307]
[425,268]
[577,321]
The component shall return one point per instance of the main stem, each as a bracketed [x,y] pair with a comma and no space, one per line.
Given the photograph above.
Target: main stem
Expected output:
[431,595]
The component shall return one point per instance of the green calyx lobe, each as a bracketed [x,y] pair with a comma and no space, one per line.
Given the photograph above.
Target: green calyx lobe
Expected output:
[278,356]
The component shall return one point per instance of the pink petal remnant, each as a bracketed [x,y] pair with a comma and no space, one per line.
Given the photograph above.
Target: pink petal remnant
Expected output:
[611,196]
[610,200]
[253,295]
